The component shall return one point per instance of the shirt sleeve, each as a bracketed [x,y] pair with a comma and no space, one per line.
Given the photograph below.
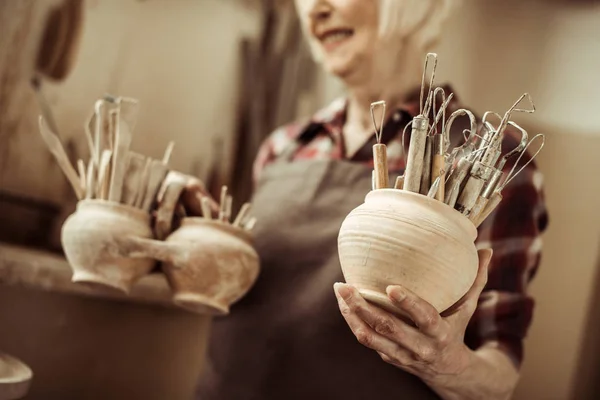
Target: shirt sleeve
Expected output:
[513,231]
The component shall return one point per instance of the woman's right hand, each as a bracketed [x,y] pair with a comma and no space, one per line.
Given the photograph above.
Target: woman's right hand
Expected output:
[179,190]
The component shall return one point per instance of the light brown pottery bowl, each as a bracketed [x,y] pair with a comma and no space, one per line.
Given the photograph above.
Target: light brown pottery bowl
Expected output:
[405,238]
[209,264]
[94,238]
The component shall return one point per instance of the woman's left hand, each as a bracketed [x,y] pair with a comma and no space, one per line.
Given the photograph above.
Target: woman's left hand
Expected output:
[433,348]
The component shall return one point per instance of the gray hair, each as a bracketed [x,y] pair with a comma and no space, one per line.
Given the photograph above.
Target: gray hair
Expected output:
[421,20]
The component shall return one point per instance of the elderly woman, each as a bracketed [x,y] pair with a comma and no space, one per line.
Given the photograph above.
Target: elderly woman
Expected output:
[296,334]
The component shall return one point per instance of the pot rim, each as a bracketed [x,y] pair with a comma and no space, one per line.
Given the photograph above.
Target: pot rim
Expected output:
[219,225]
[441,207]
[116,207]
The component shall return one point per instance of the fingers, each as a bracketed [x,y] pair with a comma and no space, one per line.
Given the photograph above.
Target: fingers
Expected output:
[191,195]
[423,314]
[381,322]
[364,333]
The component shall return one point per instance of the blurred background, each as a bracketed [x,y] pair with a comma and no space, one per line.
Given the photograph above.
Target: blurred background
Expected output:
[215,77]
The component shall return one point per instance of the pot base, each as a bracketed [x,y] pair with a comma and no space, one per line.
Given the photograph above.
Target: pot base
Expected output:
[99,283]
[199,304]
[383,301]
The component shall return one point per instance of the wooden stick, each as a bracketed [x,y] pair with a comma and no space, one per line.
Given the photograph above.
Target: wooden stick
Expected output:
[438,166]
[61,157]
[242,214]
[158,172]
[82,176]
[91,182]
[380,166]
[478,208]
[205,203]
[119,159]
[399,182]
[426,177]
[90,140]
[131,180]
[99,130]
[416,153]
[228,206]
[143,184]
[103,183]
[222,204]
[168,152]
[491,205]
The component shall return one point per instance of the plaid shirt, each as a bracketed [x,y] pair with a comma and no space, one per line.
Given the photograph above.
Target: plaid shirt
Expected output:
[513,230]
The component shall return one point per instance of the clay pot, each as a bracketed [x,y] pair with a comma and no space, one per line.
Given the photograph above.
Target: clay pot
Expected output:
[209,264]
[95,238]
[405,238]
[15,378]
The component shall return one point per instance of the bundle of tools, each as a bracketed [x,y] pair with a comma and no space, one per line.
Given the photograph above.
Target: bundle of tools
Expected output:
[242,220]
[471,177]
[115,173]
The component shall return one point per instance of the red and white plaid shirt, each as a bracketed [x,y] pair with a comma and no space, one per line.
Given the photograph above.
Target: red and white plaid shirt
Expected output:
[513,230]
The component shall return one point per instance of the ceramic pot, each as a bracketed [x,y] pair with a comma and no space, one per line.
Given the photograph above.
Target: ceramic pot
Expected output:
[405,238]
[209,264]
[15,378]
[94,240]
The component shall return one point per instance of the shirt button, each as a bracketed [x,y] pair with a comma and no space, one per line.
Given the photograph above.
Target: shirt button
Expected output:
[396,116]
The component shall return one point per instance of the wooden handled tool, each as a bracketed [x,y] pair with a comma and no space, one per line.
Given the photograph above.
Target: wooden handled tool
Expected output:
[61,157]
[122,143]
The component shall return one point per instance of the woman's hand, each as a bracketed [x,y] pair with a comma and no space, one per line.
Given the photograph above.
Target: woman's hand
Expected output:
[179,191]
[433,348]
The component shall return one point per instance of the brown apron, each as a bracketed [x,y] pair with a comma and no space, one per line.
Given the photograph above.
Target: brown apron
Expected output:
[287,339]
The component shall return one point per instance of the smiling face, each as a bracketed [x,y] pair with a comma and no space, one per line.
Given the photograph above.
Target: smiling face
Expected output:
[342,33]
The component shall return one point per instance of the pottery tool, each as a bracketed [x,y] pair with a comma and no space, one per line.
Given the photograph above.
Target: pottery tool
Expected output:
[57,150]
[90,192]
[399,182]
[438,144]
[143,184]
[250,224]
[222,204]
[434,188]
[420,127]
[122,142]
[103,184]
[168,152]
[156,175]
[228,207]
[36,83]
[496,197]
[89,136]
[205,204]
[490,186]
[82,176]
[242,214]
[128,111]
[491,155]
[135,165]
[426,174]
[479,175]
[381,176]
[484,198]
[520,147]
[99,134]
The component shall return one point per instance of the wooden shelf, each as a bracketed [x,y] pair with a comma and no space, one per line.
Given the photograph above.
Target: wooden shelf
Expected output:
[30,268]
